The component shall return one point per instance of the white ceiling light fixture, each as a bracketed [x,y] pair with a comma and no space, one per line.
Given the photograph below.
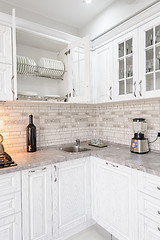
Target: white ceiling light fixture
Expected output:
[87,1]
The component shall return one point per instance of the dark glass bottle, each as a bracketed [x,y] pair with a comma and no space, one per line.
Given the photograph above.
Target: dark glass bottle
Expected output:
[31,135]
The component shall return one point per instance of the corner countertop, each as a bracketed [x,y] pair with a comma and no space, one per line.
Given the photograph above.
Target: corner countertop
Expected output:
[116,153]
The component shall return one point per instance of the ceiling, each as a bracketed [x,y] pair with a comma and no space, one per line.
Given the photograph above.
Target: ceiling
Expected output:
[74,13]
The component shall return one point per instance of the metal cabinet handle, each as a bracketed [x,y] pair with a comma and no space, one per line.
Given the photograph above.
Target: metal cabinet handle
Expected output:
[140,88]
[38,170]
[111,164]
[135,89]
[158,228]
[110,90]
[12,85]
[158,188]
[55,170]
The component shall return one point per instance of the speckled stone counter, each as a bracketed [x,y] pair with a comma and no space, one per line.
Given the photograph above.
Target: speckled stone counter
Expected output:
[115,153]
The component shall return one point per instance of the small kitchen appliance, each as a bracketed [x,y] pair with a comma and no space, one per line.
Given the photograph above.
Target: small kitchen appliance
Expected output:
[139,144]
[5,158]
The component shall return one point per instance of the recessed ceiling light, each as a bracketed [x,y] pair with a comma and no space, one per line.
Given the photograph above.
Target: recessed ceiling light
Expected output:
[87,1]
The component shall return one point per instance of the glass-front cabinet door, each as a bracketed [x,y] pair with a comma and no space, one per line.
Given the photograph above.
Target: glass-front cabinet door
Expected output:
[125,66]
[149,55]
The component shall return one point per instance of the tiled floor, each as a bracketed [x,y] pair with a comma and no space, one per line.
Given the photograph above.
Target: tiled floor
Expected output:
[93,233]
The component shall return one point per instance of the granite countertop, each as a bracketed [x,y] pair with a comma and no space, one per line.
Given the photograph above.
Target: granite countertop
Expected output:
[115,153]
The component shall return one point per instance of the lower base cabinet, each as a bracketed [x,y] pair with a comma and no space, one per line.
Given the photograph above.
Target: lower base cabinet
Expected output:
[148,206]
[10,227]
[112,194]
[148,229]
[37,204]
[71,195]
[57,201]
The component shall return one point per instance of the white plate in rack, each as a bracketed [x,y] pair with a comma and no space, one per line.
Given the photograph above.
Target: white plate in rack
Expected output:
[55,67]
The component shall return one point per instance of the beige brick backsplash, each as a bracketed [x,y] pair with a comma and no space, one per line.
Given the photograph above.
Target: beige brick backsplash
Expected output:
[59,123]
[115,120]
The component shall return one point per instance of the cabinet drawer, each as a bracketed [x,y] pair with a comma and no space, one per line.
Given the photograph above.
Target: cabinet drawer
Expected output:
[149,207]
[148,229]
[9,183]
[10,204]
[149,184]
[10,227]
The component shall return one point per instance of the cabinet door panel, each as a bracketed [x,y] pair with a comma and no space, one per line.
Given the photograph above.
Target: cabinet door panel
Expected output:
[5,82]
[148,230]
[125,66]
[113,200]
[9,183]
[149,184]
[149,58]
[79,70]
[36,204]
[5,45]
[10,227]
[73,194]
[103,69]
[10,204]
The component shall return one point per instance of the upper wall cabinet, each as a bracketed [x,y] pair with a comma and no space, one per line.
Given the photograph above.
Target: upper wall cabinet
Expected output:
[5,45]
[79,70]
[149,59]
[128,67]
[125,66]
[60,70]
[5,64]
[103,73]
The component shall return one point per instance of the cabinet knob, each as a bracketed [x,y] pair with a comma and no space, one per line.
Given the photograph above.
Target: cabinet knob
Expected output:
[158,188]
[158,228]
[55,179]
[158,212]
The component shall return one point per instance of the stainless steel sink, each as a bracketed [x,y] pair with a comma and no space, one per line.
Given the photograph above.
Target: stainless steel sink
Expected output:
[75,149]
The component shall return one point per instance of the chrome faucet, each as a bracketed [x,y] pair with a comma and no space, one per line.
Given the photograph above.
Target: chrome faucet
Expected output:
[78,142]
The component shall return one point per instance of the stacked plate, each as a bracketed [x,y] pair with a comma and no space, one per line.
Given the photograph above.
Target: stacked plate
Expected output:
[25,65]
[50,67]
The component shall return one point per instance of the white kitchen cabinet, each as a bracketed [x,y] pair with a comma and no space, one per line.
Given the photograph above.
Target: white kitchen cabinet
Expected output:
[10,183]
[103,73]
[149,59]
[37,203]
[71,195]
[6,82]
[79,70]
[10,227]
[148,229]
[148,206]
[112,198]
[5,45]
[5,64]
[126,66]
[10,206]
